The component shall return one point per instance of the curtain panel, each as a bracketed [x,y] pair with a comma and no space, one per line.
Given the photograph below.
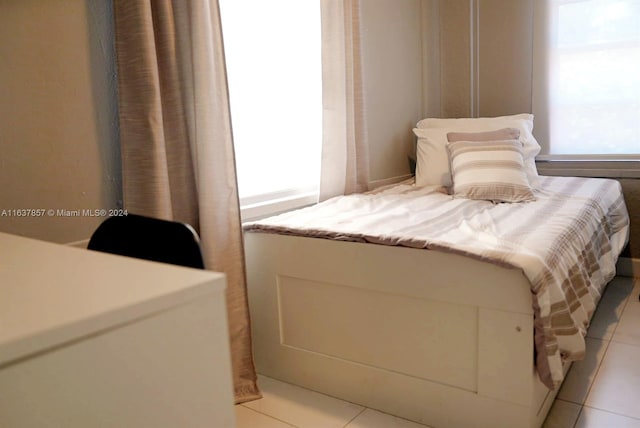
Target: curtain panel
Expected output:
[177,147]
[345,158]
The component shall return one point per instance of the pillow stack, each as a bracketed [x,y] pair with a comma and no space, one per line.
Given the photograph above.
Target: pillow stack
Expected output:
[481,158]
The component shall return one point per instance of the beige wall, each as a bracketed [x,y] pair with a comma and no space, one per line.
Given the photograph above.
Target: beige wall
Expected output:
[455,59]
[59,144]
[393,79]
[505,31]
[484,56]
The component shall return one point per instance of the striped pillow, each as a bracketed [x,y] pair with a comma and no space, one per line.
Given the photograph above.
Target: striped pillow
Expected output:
[500,134]
[489,170]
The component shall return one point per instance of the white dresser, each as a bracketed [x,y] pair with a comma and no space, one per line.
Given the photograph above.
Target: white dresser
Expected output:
[89,339]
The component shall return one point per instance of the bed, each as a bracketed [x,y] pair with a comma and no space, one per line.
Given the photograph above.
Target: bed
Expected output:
[445,310]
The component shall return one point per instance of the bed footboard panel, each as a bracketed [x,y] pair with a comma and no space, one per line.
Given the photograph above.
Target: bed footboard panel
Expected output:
[369,328]
[419,334]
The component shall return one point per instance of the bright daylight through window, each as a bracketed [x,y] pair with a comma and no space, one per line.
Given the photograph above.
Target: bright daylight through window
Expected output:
[593,72]
[274,68]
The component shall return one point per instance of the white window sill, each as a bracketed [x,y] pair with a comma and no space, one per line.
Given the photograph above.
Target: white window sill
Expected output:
[256,210]
[604,168]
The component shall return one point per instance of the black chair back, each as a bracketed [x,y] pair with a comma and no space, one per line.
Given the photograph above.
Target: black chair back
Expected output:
[150,239]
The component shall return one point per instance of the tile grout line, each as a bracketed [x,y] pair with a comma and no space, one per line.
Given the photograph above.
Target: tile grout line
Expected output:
[586,395]
[624,307]
[612,412]
[356,416]
[595,375]
[636,283]
[269,416]
[606,351]
[583,404]
[575,424]
[608,342]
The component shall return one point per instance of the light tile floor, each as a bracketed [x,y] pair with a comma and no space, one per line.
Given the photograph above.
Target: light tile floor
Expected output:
[601,391]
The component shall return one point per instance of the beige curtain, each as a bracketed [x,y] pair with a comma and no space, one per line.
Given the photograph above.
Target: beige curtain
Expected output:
[177,148]
[345,159]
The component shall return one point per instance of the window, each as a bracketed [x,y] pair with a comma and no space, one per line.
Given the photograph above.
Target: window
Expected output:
[274,69]
[587,78]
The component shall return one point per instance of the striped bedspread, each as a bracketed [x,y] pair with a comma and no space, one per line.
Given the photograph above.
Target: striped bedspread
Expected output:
[566,242]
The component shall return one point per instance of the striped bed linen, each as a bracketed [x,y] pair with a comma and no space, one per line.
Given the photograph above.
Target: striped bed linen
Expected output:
[566,242]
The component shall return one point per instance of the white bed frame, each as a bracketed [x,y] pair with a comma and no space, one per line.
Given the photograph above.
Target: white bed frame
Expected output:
[437,338]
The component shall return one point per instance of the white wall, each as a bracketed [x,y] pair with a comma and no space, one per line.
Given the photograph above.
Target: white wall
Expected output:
[59,145]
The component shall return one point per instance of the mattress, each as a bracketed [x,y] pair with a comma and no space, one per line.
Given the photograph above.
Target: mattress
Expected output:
[566,242]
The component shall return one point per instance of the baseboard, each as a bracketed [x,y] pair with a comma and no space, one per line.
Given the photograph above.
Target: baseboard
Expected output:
[79,244]
[628,267]
[384,182]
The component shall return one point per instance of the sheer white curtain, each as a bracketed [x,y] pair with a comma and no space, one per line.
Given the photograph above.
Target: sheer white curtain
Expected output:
[586,78]
[345,160]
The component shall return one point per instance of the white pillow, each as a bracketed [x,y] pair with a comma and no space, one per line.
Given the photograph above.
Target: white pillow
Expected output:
[433,139]
[432,159]
[489,170]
